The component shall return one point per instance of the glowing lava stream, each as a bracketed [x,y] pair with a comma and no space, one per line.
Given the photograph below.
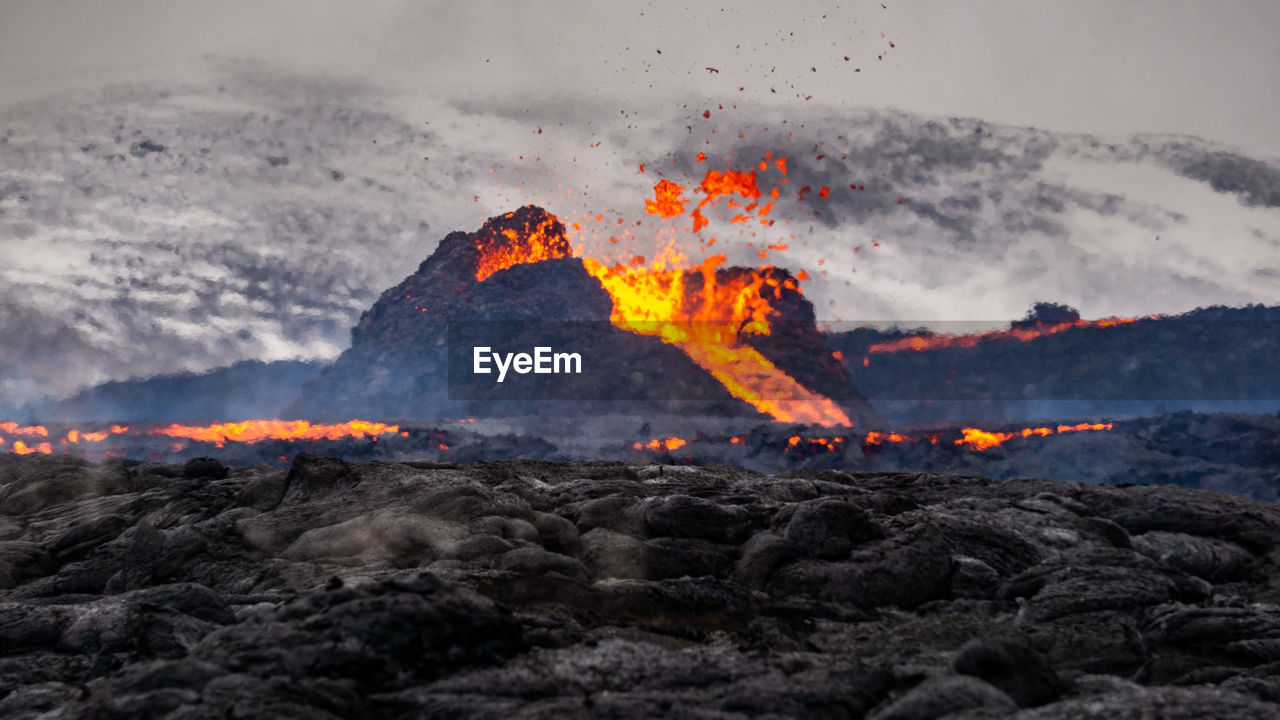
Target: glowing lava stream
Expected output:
[979,440]
[924,343]
[247,431]
[251,431]
[971,438]
[976,439]
[707,325]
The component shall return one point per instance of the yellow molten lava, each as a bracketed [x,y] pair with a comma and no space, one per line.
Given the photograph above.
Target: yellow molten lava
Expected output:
[710,324]
[256,430]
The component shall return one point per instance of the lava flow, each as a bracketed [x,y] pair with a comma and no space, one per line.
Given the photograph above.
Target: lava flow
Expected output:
[970,438]
[668,443]
[256,430]
[707,313]
[707,317]
[248,431]
[925,343]
[978,439]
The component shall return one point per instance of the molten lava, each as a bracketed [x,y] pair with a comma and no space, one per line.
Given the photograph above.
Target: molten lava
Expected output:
[709,316]
[716,184]
[668,200]
[256,430]
[668,443]
[879,438]
[976,439]
[22,448]
[13,428]
[979,440]
[925,343]
[500,248]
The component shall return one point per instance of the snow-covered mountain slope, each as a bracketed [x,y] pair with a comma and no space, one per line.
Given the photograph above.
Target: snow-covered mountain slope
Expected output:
[161,228]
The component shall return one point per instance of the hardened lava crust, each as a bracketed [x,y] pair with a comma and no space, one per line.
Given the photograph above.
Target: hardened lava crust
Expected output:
[523,589]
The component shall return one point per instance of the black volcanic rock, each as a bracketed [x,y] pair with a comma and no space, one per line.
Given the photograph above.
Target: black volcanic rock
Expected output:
[406,346]
[1018,670]
[496,589]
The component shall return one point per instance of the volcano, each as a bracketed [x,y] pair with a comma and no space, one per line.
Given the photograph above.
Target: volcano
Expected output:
[735,342]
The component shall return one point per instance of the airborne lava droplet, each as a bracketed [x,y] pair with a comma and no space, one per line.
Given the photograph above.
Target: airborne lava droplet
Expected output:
[668,200]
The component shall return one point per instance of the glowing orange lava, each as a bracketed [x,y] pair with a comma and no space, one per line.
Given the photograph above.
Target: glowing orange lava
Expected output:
[498,250]
[668,200]
[979,440]
[716,184]
[879,438]
[251,431]
[709,315]
[812,444]
[13,428]
[976,439]
[924,343]
[22,448]
[668,443]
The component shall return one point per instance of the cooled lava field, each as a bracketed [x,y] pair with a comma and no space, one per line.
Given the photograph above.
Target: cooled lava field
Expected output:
[627,590]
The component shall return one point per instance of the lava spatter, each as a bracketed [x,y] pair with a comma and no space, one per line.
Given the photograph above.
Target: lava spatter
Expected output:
[516,238]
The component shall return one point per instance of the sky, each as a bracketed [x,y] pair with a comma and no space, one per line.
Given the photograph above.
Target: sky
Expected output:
[996,142]
[1204,68]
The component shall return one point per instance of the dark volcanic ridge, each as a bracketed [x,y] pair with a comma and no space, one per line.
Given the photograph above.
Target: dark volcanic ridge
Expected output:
[1215,359]
[624,590]
[399,362]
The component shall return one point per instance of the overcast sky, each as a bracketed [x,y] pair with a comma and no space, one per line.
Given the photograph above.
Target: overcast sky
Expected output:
[1206,68]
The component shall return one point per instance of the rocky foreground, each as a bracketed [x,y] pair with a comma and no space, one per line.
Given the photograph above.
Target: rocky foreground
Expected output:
[565,590]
